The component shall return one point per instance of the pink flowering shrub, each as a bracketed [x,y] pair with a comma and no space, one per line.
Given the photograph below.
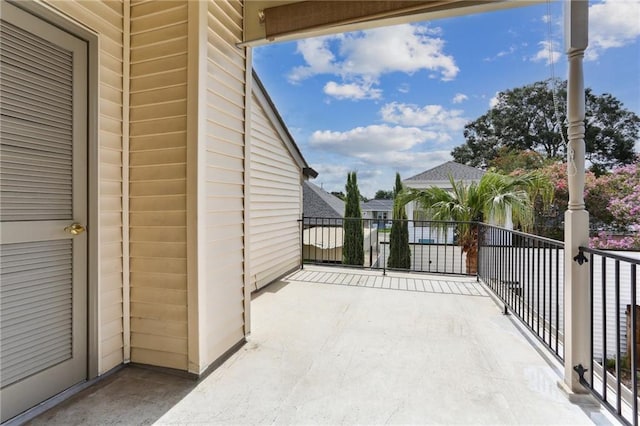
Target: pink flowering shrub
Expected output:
[557,173]
[607,241]
[620,192]
[624,205]
[613,202]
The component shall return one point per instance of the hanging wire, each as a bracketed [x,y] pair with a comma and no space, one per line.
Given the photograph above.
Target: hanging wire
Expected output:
[552,71]
[554,86]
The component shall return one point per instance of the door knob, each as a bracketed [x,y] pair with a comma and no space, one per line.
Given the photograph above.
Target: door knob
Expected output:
[74,229]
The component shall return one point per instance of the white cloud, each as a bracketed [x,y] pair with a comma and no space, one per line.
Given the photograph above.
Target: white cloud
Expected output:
[407,48]
[376,171]
[430,117]
[332,169]
[612,23]
[318,56]
[458,98]
[374,139]
[549,52]
[414,144]
[494,100]
[546,18]
[364,56]
[410,160]
[375,152]
[336,174]
[354,91]
[333,177]
[403,88]
[509,51]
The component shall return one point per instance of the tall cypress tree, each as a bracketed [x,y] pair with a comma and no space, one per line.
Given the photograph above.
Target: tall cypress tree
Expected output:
[353,246]
[399,251]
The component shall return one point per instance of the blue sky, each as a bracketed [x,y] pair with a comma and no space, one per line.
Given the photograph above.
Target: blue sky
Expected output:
[397,98]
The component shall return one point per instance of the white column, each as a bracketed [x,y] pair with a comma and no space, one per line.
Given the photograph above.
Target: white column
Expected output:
[577,301]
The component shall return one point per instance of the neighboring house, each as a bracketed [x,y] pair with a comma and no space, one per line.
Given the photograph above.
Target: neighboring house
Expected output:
[277,173]
[321,207]
[323,234]
[378,210]
[439,176]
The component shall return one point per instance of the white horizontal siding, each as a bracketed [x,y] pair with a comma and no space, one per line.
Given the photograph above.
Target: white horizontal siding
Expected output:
[275,201]
[222,237]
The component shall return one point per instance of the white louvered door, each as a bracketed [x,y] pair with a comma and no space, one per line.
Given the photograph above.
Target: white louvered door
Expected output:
[43,210]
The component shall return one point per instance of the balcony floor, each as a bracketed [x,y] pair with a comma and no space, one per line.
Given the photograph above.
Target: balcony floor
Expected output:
[353,353]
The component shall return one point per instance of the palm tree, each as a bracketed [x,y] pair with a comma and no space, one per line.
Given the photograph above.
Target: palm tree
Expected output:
[494,197]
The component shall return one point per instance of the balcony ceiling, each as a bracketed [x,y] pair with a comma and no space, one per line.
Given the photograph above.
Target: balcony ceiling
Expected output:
[282,20]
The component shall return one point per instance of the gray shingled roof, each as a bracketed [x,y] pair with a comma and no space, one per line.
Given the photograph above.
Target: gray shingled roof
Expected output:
[450,168]
[319,203]
[377,205]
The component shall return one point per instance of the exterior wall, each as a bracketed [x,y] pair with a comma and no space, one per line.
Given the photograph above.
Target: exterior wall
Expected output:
[159,210]
[158,143]
[106,19]
[276,206]
[157,179]
[221,190]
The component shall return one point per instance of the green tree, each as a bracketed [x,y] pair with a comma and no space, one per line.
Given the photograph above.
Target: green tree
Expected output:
[399,251]
[381,194]
[495,196]
[509,160]
[525,118]
[353,245]
[610,134]
[481,146]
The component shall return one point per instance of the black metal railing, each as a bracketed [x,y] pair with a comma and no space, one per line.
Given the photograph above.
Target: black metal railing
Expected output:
[526,273]
[433,245]
[615,355]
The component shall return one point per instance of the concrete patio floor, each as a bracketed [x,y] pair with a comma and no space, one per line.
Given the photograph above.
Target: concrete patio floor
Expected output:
[360,351]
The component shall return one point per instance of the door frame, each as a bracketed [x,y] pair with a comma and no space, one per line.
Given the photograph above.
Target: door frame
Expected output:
[69,25]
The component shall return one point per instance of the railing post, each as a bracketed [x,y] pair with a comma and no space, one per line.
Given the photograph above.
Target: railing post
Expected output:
[478,271]
[302,242]
[480,236]
[577,303]
[384,251]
